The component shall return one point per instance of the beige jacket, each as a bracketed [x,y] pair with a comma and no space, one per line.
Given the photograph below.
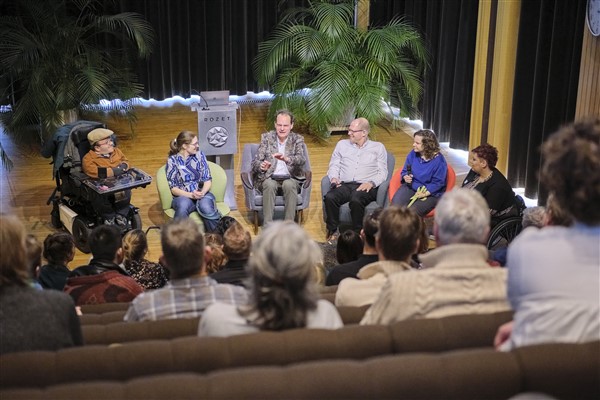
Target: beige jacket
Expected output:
[458,280]
[364,291]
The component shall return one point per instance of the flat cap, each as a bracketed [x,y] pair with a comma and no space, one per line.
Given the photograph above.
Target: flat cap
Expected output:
[99,134]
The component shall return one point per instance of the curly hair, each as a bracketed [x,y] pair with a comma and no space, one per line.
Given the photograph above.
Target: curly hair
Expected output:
[488,152]
[571,169]
[281,281]
[431,146]
[59,247]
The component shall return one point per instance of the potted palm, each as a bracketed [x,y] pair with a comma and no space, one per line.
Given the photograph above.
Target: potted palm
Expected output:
[59,56]
[321,67]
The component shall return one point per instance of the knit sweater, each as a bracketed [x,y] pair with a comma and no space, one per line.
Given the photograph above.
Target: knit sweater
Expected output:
[458,280]
[364,291]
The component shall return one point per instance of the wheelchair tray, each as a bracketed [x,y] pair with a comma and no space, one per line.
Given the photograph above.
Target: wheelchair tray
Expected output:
[131,179]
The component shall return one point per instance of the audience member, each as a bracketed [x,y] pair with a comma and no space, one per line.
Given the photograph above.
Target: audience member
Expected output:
[396,241]
[190,180]
[489,181]
[33,249]
[279,165]
[217,256]
[349,246]
[424,175]
[236,246]
[554,272]
[358,166]
[534,216]
[59,251]
[283,294]
[148,274]
[30,319]
[457,278]
[190,289]
[103,280]
[369,252]
[555,214]
[103,161]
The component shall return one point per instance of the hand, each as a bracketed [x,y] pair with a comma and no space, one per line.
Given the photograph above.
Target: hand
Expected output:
[408,178]
[197,194]
[265,165]
[281,156]
[123,166]
[335,182]
[503,334]
[365,187]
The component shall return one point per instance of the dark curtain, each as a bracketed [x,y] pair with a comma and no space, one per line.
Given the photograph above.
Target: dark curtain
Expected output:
[546,79]
[204,44]
[450,29]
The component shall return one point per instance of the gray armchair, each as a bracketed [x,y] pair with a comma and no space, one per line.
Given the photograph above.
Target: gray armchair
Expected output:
[382,196]
[254,200]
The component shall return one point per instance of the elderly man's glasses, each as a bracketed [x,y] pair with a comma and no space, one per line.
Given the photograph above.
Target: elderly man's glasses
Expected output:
[107,141]
[353,131]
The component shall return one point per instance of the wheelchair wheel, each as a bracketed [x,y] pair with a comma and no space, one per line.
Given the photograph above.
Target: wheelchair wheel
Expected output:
[81,233]
[504,232]
[136,221]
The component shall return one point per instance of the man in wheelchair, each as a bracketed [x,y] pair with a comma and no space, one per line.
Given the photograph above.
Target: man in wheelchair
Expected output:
[104,160]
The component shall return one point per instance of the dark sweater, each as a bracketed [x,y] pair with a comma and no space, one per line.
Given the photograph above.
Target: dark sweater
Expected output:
[32,319]
[53,276]
[349,270]
[234,273]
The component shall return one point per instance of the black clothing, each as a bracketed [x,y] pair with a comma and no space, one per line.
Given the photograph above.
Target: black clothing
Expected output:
[349,270]
[497,193]
[53,276]
[233,272]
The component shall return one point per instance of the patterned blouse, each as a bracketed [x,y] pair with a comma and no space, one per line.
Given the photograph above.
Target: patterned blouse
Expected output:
[187,174]
[148,274]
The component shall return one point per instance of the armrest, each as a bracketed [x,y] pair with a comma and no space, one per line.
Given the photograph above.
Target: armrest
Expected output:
[308,181]
[382,191]
[247,181]
[325,185]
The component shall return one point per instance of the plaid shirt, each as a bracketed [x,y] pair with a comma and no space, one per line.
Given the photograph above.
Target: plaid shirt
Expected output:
[183,298]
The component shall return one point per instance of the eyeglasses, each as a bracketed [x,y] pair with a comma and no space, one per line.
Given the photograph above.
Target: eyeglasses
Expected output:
[107,141]
[353,131]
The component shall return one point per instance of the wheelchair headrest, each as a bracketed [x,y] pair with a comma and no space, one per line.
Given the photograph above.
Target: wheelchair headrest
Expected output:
[79,138]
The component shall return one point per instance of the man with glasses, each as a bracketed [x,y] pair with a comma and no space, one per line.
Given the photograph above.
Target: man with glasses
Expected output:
[357,167]
[104,160]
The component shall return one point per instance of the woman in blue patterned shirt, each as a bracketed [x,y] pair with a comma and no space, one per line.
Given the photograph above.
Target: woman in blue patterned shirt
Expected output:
[190,180]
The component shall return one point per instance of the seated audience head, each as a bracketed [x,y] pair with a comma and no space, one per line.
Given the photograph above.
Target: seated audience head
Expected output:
[135,245]
[571,169]
[349,246]
[224,223]
[105,243]
[59,248]
[237,242]
[281,273]
[34,254]
[429,141]
[486,154]
[217,256]
[183,248]
[534,216]
[555,214]
[370,227]
[461,216]
[13,256]
[398,235]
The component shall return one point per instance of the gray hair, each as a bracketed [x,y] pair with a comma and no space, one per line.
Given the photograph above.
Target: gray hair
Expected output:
[534,216]
[462,216]
[281,272]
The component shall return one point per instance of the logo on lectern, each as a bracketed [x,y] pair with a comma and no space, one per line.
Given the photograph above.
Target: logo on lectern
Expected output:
[217,136]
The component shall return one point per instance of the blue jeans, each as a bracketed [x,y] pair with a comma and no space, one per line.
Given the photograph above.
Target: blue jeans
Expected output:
[206,207]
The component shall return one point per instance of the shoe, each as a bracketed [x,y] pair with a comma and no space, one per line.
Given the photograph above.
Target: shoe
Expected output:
[332,236]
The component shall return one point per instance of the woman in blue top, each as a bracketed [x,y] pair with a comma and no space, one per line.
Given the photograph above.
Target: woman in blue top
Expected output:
[423,175]
[190,181]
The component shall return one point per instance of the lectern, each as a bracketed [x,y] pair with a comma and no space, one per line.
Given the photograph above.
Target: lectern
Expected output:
[217,137]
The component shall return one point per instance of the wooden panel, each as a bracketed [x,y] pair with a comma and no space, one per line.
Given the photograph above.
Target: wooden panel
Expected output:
[588,94]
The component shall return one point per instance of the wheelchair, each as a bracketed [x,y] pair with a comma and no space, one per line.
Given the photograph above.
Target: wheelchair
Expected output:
[508,228]
[72,197]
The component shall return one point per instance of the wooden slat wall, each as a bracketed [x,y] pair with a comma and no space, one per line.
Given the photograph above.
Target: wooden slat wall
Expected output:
[588,94]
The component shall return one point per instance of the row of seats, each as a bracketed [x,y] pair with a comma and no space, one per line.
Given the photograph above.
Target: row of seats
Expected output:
[202,355]
[562,371]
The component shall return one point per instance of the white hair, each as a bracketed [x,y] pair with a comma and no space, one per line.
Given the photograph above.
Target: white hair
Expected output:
[462,216]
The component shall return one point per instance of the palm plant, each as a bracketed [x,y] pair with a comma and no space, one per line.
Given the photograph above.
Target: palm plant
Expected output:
[57,56]
[321,67]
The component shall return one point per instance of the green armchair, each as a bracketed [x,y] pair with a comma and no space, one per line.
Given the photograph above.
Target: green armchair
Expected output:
[219,183]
